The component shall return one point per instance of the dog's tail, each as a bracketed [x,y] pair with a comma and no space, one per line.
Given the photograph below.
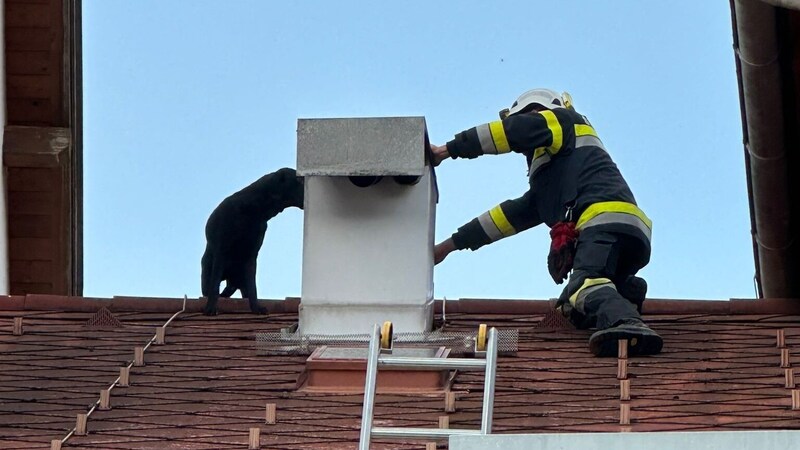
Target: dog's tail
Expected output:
[206,265]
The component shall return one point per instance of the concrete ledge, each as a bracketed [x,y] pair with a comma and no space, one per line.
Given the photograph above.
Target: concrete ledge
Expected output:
[361,146]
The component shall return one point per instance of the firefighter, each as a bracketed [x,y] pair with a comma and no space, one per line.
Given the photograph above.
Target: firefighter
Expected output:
[598,232]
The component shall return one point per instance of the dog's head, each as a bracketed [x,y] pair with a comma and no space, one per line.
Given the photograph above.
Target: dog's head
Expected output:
[289,187]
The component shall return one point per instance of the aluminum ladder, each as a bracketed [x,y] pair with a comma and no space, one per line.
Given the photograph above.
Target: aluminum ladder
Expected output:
[380,347]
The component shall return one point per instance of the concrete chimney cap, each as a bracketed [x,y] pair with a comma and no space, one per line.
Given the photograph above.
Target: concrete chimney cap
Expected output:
[361,146]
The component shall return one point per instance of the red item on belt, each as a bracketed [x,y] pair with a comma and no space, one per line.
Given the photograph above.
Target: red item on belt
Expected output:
[563,242]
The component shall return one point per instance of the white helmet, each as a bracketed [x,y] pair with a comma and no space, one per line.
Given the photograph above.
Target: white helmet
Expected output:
[544,97]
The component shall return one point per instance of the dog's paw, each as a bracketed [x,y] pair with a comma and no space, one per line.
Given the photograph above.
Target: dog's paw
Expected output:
[210,310]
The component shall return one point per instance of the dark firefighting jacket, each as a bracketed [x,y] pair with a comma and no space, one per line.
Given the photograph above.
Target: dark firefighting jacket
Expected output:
[571,176]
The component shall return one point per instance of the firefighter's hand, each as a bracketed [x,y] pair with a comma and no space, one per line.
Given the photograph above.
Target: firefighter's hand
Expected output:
[443,249]
[439,154]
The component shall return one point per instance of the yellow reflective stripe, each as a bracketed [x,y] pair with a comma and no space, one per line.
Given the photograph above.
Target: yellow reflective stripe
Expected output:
[500,220]
[584,130]
[587,283]
[538,152]
[618,207]
[499,137]
[555,128]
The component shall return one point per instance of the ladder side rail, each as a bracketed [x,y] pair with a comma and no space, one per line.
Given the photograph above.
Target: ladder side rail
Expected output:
[370,384]
[489,383]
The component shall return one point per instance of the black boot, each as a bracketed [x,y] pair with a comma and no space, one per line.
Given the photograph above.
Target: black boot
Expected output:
[641,339]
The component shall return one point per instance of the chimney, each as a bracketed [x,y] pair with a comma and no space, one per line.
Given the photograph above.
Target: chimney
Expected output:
[370,208]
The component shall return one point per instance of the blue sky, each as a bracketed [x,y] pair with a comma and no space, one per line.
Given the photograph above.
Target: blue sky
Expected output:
[188,102]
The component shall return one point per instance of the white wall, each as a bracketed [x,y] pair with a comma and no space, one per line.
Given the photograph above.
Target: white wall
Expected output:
[367,255]
[3,214]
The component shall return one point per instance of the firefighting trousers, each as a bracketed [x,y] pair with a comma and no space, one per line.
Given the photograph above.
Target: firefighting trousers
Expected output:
[603,290]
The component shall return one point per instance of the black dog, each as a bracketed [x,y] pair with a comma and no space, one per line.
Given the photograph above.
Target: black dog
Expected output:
[235,232]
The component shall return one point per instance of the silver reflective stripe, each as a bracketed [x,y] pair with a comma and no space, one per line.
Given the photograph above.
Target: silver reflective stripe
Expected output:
[537,163]
[485,138]
[581,298]
[489,227]
[617,217]
[588,140]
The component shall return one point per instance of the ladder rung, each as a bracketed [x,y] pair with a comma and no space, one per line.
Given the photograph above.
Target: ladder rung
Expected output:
[375,360]
[422,433]
[431,364]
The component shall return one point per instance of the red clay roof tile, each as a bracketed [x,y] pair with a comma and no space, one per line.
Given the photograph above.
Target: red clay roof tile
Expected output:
[208,385]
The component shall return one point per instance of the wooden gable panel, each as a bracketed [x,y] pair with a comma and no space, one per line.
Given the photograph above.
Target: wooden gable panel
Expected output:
[36,164]
[31,226]
[29,14]
[32,272]
[30,249]
[30,63]
[33,111]
[28,1]
[31,202]
[30,39]
[42,48]
[29,87]
[33,179]
[31,288]
[34,41]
